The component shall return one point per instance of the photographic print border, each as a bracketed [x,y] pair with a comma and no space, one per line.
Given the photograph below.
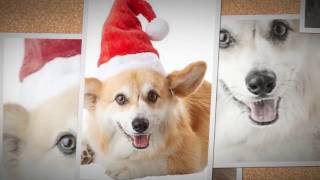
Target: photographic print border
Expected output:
[4,35]
[303,28]
[81,90]
[216,15]
[1,108]
[214,94]
[263,164]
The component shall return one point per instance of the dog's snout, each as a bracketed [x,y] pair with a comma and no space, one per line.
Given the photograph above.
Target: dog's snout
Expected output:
[140,124]
[261,82]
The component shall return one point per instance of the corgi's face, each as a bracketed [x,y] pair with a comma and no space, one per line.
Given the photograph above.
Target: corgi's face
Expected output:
[42,142]
[141,104]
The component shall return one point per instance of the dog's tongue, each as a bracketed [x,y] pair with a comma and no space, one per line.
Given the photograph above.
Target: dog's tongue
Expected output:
[263,111]
[141,141]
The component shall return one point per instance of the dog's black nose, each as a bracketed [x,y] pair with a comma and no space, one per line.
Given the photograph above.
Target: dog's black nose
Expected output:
[261,82]
[140,124]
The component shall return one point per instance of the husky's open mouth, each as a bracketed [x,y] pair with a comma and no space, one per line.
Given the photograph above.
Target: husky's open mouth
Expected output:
[262,111]
[138,140]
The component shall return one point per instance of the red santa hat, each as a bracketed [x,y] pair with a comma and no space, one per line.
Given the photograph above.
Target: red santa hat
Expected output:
[38,52]
[49,67]
[124,44]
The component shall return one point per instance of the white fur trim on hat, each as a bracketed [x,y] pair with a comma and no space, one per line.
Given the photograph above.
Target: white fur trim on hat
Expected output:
[157,29]
[55,77]
[120,64]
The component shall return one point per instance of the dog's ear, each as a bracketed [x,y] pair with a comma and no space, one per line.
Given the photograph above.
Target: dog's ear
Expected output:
[93,87]
[16,120]
[186,81]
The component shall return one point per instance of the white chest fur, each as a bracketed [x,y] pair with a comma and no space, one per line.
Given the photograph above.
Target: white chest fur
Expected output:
[123,161]
[239,141]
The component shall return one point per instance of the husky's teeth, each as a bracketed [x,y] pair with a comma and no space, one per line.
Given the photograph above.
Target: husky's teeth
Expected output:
[260,102]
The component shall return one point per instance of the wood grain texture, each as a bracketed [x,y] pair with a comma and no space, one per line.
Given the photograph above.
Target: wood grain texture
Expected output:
[56,16]
[253,7]
[41,16]
[224,174]
[292,173]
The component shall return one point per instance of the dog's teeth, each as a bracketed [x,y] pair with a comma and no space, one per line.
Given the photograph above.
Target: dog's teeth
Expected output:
[260,102]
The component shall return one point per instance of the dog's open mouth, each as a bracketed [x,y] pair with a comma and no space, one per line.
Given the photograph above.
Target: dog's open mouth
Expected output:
[264,111]
[139,140]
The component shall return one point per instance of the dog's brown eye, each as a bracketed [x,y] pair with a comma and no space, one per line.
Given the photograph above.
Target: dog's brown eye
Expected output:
[121,99]
[152,96]
[225,39]
[279,30]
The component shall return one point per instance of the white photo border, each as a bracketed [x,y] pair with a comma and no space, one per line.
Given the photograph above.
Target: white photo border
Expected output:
[1,109]
[302,19]
[264,164]
[4,35]
[81,90]
[214,94]
[216,26]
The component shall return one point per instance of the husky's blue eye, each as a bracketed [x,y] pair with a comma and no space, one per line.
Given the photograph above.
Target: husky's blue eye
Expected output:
[225,39]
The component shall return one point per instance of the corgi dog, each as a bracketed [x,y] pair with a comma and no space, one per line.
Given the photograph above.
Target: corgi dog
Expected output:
[40,144]
[268,93]
[142,123]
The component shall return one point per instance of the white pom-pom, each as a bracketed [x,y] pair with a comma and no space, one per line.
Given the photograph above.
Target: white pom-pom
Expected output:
[157,29]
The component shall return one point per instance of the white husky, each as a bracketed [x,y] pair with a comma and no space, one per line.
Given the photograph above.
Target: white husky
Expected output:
[41,144]
[268,96]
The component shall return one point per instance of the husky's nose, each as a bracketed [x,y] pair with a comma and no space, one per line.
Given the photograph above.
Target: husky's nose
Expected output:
[261,82]
[140,124]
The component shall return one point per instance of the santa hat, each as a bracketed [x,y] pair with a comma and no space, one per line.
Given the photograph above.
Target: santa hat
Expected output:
[38,52]
[49,67]
[124,44]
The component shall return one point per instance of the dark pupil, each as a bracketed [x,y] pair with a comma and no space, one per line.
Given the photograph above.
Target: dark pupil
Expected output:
[121,99]
[223,37]
[152,96]
[280,29]
[67,142]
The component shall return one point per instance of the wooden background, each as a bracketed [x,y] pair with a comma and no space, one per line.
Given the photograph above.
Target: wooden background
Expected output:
[57,16]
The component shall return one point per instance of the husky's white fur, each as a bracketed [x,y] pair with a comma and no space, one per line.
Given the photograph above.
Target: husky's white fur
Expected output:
[31,138]
[294,59]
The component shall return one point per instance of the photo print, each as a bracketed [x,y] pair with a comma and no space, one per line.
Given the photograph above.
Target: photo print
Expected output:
[147,89]
[309,16]
[40,106]
[268,93]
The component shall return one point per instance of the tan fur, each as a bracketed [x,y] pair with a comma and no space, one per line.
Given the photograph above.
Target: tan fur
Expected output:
[95,132]
[185,90]
[93,88]
[192,154]
[16,119]
[186,75]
